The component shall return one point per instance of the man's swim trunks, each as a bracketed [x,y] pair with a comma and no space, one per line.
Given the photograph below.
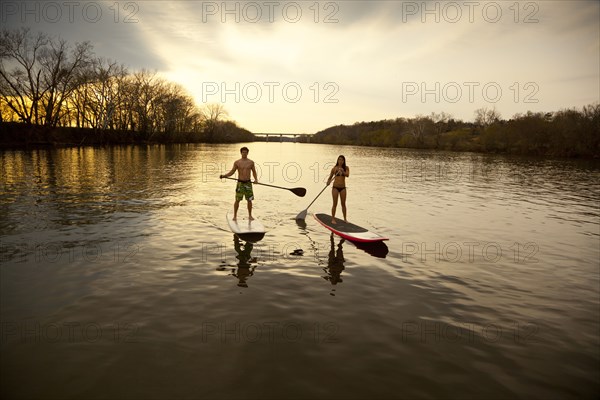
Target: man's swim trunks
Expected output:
[244,189]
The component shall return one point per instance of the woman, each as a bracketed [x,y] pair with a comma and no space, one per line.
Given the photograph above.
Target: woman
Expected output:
[339,173]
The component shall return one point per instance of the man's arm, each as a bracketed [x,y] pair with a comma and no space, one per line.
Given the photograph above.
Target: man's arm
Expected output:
[235,167]
[254,173]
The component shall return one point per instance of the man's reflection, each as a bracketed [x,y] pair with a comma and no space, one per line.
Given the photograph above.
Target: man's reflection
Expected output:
[245,269]
[335,263]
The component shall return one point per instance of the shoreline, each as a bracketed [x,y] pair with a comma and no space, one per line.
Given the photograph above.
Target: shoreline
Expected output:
[19,136]
[15,135]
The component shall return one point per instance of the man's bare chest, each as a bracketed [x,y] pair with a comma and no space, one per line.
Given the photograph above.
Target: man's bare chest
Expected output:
[245,164]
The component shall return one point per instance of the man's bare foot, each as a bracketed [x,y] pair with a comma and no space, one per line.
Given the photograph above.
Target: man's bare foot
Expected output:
[234,218]
[333,221]
[250,218]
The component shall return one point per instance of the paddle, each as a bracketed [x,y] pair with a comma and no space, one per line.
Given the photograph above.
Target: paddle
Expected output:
[302,214]
[297,191]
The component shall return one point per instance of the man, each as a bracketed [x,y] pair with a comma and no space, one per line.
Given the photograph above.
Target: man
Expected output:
[243,166]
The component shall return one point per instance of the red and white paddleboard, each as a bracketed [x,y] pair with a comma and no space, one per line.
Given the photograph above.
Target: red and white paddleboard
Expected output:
[348,230]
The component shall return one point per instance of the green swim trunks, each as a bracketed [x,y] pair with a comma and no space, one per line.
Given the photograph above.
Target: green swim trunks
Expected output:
[244,189]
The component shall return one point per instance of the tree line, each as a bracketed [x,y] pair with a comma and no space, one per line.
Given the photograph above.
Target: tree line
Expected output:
[51,91]
[564,133]
[48,84]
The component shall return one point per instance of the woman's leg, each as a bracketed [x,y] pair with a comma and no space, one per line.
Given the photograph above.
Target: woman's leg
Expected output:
[334,194]
[343,198]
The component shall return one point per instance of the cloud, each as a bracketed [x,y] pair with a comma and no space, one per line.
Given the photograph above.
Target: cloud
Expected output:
[114,32]
[370,51]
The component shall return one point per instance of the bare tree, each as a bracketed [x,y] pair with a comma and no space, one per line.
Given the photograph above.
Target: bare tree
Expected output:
[213,113]
[98,97]
[484,117]
[440,124]
[37,74]
[61,69]
[21,85]
[47,81]
[144,100]
[420,126]
[179,109]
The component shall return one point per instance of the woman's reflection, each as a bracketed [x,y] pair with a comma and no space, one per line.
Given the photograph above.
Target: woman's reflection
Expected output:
[335,263]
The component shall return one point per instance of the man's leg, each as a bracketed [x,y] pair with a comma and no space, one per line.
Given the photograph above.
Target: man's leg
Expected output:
[250,210]
[249,193]
[236,205]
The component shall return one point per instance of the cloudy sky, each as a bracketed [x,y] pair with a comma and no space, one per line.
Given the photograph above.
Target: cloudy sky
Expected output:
[299,67]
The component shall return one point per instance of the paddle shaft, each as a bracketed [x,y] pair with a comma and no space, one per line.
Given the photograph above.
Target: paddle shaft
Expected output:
[311,203]
[296,191]
[302,214]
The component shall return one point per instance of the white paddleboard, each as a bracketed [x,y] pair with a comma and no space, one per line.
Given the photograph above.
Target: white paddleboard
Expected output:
[244,226]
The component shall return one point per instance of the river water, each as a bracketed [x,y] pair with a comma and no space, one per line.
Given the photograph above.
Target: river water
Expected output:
[120,277]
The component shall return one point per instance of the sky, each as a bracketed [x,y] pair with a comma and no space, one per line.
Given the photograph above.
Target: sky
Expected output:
[303,66]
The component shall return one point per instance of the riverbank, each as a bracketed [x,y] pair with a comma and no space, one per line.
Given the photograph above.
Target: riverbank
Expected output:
[565,134]
[500,138]
[16,135]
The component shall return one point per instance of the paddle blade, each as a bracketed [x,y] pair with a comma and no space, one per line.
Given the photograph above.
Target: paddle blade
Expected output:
[299,191]
[301,215]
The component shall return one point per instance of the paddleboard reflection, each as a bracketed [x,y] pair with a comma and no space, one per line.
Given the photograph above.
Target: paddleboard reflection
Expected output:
[376,249]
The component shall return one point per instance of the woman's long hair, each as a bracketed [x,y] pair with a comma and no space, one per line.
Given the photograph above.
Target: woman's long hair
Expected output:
[343,164]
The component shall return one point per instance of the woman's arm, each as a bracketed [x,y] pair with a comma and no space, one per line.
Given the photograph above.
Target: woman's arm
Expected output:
[331,175]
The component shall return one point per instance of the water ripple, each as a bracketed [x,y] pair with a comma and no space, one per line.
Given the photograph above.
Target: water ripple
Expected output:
[488,286]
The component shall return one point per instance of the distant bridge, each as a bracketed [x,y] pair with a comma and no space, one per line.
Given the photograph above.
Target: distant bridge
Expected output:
[285,137]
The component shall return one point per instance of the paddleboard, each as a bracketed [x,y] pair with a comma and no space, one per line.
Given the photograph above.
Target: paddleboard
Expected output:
[348,230]
[243,226]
